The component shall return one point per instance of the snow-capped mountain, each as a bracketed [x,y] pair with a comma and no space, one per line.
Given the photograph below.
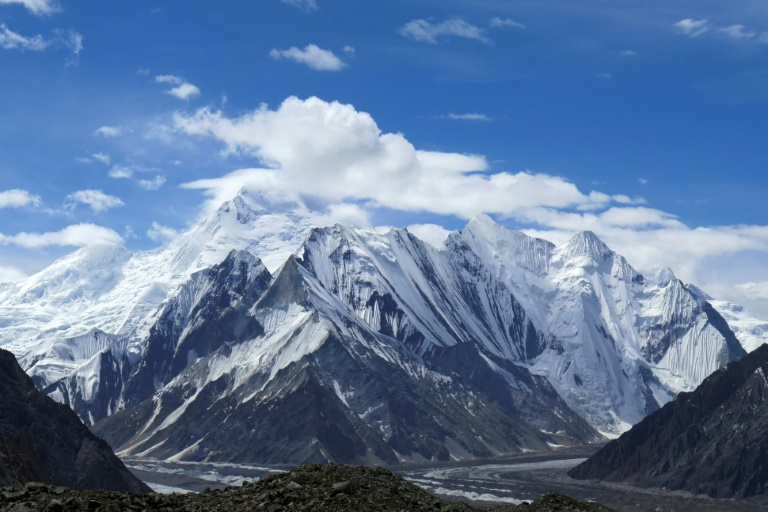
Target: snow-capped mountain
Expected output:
[495,328]
[46,319]
[311,380]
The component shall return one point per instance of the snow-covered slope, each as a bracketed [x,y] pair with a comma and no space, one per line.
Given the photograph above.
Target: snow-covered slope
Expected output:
[317,382]
[120,293]
[104,329]
[751,331]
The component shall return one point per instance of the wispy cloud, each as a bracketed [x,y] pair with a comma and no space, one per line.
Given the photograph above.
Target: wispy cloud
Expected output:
[304,5]
[39,7]
[604,75]
[159,233]
[154,184]
[695,28]
[10,274]
[472,116]
[77,235]
[428,32]
[97,200]
[120,172]
[10,40]
[312,56]
[183,90]
[692,28]
[505,22]
[109,131]
[17,198]
[628,53]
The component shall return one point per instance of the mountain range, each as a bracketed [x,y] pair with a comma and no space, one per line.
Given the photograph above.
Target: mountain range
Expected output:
[257,335]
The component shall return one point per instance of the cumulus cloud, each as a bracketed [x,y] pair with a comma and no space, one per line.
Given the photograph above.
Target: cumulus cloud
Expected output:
[304,5]
[17,198]
[154,184]
[97,200]
[76,235]
[183,90]
[160,234]
[311,56]
[433,234]
[333,152]
[39,7]
[505,22]
[428,32]
[109,131]
[10,40]
[101,157]
[120,172]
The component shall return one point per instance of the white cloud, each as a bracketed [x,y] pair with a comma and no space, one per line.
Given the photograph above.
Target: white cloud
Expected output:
[74,41]
[505,22]
[39,7]
[10,274]
[17,198]
[109,131]
[333,152]
[349,51]
[96,199]
[160,233]
[153,184]
[472,116]
[642,181]
[304,5]
[312,56]
[692,28]
[10,40]
[184,90]
[604,75]
[119,172]
[102,157]
[428,32]
[738,32]
[628,53]
[77,235]
[433,234]
[754,290]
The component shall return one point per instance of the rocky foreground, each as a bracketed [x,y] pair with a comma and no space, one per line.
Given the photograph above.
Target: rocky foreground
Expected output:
[332,488]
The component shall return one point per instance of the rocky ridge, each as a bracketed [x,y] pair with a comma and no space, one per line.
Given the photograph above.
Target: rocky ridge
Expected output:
[328,488]
[45,441]
[711,441]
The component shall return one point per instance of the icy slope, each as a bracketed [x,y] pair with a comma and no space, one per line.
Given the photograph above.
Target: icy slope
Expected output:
[119,293]
[318,383]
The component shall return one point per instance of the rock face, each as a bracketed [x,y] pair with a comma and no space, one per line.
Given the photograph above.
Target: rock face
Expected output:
[711,441]
[328,488]
[312,381]
[41,440]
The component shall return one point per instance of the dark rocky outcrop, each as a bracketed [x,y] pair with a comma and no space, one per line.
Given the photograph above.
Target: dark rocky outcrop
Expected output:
[326,488]
[41,440]
[711,441]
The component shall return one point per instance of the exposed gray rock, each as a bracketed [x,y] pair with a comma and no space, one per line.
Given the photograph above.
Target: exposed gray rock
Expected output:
[44,441]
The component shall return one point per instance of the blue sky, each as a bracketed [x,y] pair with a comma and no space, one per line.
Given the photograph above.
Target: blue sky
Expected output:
[644,121]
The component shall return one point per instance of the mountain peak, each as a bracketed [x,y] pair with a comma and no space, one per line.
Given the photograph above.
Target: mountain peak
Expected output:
[586,244]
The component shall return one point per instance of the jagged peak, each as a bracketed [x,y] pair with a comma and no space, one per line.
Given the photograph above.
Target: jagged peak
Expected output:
[660,276]
[586,244]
